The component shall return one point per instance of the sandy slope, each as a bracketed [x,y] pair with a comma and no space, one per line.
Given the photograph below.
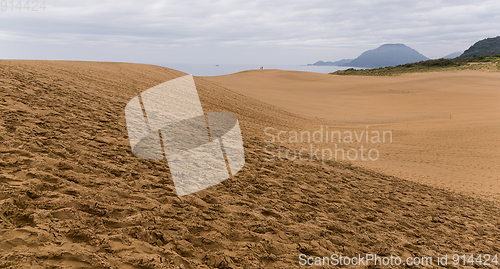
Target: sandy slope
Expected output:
[73,196]
[461,153]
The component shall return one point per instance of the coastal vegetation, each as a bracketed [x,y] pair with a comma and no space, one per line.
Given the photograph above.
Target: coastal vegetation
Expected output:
[484,63]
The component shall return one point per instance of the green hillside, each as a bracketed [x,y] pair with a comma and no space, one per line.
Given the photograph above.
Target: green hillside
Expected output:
[485,47]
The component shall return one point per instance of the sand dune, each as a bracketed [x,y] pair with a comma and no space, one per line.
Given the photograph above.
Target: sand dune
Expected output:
[461,153]
[72,195]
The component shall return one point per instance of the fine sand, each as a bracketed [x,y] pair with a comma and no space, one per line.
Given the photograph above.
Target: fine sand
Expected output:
[72,195]
[461,154]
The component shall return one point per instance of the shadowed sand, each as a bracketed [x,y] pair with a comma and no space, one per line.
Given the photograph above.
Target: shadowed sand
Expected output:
[461,153]
[72,194]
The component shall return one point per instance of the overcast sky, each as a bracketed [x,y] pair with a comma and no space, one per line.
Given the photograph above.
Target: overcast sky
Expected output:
[241,32]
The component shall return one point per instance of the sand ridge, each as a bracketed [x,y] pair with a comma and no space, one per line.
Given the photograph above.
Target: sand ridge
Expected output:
[460,153]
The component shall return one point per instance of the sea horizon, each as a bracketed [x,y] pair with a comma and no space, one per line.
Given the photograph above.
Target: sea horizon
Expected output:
[226,69]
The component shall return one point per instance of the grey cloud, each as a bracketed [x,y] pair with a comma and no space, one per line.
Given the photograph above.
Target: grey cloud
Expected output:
[344,27]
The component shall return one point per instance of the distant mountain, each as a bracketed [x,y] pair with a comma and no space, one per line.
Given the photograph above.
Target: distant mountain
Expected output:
[387,55]
[488,46]
[336,63]
[321,63]
[453,55]
[342,62]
